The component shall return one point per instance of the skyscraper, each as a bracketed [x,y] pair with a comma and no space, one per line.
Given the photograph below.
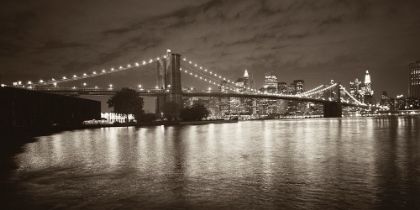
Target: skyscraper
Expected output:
[282,88]
[414,75]
[300,86]
[355,87]
[368,85]
[270,82]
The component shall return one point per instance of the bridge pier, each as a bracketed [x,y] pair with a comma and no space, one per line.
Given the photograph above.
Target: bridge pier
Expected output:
[332,109]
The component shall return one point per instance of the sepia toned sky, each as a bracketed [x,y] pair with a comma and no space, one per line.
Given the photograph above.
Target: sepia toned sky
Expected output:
[311,40]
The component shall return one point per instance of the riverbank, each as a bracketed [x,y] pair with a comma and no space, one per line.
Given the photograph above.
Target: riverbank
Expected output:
[33,132]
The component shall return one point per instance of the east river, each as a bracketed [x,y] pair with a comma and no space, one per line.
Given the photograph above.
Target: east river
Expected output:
[349,163]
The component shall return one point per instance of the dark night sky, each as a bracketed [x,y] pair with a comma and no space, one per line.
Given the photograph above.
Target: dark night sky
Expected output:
[311,40]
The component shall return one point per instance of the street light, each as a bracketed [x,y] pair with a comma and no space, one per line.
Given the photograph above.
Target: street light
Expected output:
[84,84]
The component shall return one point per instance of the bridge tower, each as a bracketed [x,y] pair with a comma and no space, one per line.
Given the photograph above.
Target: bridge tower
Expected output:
[334,108]
[168,77]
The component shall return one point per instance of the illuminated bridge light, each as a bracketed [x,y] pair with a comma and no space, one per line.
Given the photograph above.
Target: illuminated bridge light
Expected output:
[137,64]
[64,78]
[129,66]
[94,72]
[144,62]
[84,74]
[74,76]
[121,67]
[103,71]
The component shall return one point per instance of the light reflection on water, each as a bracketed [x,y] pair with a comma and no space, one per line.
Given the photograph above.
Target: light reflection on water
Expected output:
[350,163]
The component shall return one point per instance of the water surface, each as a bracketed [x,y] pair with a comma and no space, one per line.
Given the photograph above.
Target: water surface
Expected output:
[349,163]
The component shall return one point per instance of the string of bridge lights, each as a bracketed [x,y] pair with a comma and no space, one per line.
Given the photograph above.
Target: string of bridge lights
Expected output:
[86,76]
[310,92]
[201,76]
[207,71]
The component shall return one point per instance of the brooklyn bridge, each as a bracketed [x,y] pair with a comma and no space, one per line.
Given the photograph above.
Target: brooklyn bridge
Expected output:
[169,69]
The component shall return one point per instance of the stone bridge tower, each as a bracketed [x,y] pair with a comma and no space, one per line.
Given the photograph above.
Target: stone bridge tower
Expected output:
[168,77]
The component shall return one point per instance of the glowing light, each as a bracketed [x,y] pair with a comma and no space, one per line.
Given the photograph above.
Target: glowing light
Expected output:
[121,67]
[129,66]
[94,72]
[84,84]
[41,81]
[64,78]
[144,62]
[74,76]
[137,64]
[84,74]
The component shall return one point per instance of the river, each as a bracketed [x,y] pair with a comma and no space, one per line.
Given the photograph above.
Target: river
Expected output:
[349,163]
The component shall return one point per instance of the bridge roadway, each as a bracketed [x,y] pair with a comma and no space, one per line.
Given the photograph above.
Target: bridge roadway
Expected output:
[189,93]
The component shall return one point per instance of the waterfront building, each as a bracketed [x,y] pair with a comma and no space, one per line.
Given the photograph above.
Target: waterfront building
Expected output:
[414,79]
[31,109]
[115,117]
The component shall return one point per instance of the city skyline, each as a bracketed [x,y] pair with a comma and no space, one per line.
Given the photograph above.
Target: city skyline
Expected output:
[312,41]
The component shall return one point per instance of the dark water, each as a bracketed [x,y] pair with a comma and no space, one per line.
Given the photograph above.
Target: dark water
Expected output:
[350,163]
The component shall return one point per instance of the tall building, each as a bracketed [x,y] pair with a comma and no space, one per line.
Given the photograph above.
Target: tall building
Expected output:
[292,88]
[355,87]
[368,84]
[270,82]
[300,86]
[243,83]
[251,81]
[282,88]
[414,84]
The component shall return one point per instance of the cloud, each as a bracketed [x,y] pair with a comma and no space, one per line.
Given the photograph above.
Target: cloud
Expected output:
[296,39]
